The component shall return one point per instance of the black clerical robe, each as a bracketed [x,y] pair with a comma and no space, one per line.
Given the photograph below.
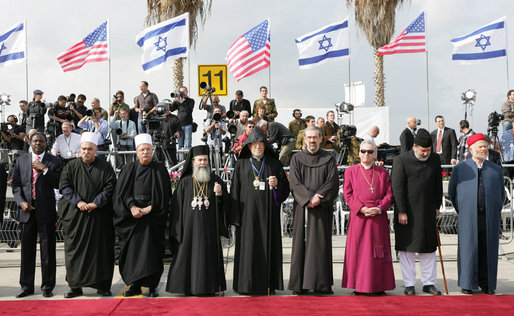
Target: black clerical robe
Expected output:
[418,192]
[88,237]
[197,266]
[258,254]
[311,257]
[142,239]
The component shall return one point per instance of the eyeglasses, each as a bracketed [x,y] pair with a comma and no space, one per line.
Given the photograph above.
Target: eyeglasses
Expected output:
[369,151]
[251,126]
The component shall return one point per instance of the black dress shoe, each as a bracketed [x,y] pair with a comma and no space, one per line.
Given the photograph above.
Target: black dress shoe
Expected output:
[487,291]
[153,292]
[132,291]
[73,293]
[24,293]
[327,292]
[410,290]
[355,293]
[301,292]
[464,291]
[431,289]
[104,292]
[48,293]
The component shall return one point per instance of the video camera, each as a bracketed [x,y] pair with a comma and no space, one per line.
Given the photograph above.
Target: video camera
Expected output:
[5,127]
[346,132]
[36,109]
[493,120]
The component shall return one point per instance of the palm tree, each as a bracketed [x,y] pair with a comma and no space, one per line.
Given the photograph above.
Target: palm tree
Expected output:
[162,10]
[376,19]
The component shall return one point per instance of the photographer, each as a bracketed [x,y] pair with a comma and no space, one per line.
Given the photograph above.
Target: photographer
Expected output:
[145,105]
[22,116]
[215,128]
[93,122]
[239,104]
[125,130]
[13,134]
[118,104]
[59,114]
[215,104]
[350,143]
[36,112]
[508,111]
[171,131]
[184,106]
[282,136]
[79,111]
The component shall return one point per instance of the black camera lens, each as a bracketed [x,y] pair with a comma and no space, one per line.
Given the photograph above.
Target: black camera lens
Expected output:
[216,117]
[230,114]
[89,113]
[119,131]
[232,129]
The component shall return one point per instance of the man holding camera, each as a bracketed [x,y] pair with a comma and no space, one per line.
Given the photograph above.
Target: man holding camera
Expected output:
[145,105]
[125,130]
[282,136]
[79,110]
[117,104]
[15,135]
[239,104]
[36,111]
[184,106]
[93,122]
[215,128]
[59,114]
[215,104]
[171,131]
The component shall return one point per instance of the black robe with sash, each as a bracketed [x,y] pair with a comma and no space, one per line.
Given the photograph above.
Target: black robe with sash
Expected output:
[311,257]
[258,253]
[142,239]
[88,237]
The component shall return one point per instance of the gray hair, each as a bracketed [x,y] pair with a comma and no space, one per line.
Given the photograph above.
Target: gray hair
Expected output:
[371,143]
[262,123]
[313,128]
[67,123]
[244,111]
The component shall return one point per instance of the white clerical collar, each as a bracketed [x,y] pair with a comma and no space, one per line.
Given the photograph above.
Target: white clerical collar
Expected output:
[366,167]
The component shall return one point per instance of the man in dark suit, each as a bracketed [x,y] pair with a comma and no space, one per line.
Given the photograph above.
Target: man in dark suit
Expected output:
[35,176]
[444,142]
[408,134]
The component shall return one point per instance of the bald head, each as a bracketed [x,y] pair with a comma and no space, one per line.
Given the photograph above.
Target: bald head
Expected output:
[411,122]
[374,131]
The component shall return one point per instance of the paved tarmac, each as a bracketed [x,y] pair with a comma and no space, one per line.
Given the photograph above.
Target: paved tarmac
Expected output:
[10,260]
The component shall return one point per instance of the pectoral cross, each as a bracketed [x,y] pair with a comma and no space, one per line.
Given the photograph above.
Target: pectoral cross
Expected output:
[371,189]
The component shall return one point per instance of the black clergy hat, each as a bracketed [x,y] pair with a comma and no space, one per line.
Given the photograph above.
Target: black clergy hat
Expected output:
[423,138]
[199,150]
[256,135]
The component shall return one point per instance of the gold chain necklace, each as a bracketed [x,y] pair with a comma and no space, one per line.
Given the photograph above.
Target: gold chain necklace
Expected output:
[371,188]
[199,195]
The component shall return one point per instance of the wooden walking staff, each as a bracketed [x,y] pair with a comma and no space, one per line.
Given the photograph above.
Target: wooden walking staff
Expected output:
[441,256]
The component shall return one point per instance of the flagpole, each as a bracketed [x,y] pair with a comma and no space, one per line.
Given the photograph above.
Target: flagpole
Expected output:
[109,45]
[26,63]
[426,70]
[507,56]
[269,68]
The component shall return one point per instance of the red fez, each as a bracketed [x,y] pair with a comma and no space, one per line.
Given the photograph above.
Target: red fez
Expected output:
[475,138]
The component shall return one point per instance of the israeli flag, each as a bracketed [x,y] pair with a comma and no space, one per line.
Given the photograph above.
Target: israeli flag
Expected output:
[331,42]
[489,41]
[13,45]
[163,41]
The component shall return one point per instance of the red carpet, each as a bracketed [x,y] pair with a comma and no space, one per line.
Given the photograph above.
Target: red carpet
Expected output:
[284,305]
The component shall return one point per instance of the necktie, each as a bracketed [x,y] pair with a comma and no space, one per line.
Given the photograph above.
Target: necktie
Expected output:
[439,139]
[34,179]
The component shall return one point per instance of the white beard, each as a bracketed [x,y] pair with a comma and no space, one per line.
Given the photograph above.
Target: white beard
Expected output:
[420,158]
[202,174]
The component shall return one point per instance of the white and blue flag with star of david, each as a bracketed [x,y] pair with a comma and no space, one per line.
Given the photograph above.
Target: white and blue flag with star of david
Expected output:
[12,45]
[489,41]
[167,40]
[330,42]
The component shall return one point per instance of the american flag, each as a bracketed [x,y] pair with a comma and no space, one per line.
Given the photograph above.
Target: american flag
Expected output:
[411,40]
[250,53]
[92,48]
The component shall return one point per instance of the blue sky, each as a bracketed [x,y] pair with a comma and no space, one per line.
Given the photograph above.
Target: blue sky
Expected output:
[54,25]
